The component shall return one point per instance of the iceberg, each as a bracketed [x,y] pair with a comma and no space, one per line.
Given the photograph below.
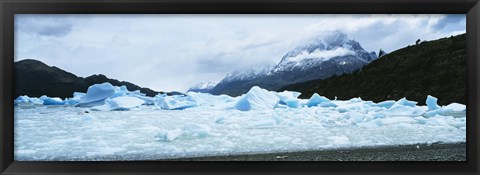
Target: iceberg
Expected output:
[146,100]
[26,99]
[316,99]
[292,102]
[405,102]
[434,113]
[404,111]
[257,99]
[21,99]
[209,99]
[125,103]
[432,103]
[51,101]
[454,109]
[287,95]
[178,102]
[218,126]
[289,98]
[96,95]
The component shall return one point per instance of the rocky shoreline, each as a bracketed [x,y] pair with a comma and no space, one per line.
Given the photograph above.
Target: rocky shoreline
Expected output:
[415,152]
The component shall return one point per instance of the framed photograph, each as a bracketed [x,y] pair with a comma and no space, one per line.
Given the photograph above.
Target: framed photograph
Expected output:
[225,87]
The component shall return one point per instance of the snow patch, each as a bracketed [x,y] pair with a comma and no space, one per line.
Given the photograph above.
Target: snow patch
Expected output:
[323,55]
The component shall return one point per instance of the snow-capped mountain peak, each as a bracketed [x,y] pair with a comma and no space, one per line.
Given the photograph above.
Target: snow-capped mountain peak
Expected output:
[248,73]
[322,48]
[328,54]
[203,87]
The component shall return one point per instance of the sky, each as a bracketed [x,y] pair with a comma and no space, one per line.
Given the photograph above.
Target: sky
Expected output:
[175,52]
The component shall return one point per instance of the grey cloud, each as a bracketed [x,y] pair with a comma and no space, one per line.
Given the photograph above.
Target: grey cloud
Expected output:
[449,19]
[215,65]
[43,26]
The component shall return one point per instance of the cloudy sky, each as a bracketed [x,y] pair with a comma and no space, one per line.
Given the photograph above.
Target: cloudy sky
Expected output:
[175,52]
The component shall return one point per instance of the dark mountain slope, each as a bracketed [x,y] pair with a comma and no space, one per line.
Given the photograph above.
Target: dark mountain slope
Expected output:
[35,78]
[435,68]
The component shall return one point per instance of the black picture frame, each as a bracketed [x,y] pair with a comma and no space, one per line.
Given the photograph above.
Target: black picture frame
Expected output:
[8,8]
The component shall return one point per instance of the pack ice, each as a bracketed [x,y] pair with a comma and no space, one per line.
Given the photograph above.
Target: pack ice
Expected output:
[112,123]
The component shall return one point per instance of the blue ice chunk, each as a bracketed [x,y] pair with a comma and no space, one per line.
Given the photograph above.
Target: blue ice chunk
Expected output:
[282,106]
[160,95]
[405,102]
[71,101]
[369,103]
[432,103]
[289,98]
[243,105]
[136,92]
[287,94]
[52,101]
[147,100]
[21,99]
[176,102]
[220,120]
[399,110]
[119,94]
[453,107]
[96,95]
[123,88]
[434,112]
[292,102]
[316,99]
[257,99]
[77,96]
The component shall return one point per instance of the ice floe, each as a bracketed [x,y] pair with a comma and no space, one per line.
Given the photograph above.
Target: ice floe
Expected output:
[113,123]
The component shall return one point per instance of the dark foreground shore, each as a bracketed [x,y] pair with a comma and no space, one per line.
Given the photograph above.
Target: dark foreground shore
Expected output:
[417,152]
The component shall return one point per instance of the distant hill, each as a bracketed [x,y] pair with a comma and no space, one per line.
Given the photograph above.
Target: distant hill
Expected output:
[435,68]
[34,78]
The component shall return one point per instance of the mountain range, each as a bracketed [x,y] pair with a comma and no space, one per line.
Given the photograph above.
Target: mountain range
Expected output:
[436,68]
[34,78]
[332,53]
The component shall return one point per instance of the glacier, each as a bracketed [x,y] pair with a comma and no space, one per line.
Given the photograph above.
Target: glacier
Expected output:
[118,124]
